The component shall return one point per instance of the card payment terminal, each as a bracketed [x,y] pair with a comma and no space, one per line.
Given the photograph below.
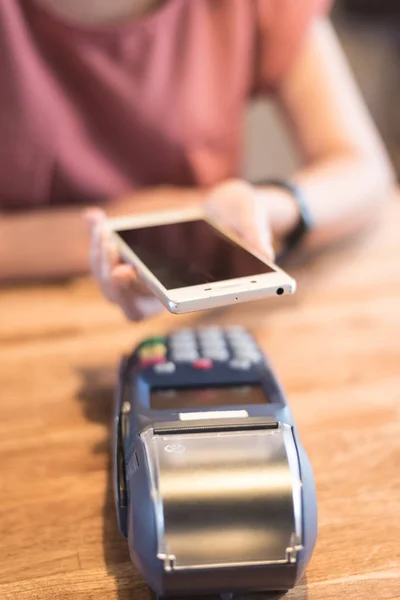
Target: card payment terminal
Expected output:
[214,490]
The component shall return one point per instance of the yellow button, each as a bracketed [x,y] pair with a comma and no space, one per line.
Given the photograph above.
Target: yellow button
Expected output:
[153,351]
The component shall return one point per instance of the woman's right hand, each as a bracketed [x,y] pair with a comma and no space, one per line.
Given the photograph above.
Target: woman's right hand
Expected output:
[118,282]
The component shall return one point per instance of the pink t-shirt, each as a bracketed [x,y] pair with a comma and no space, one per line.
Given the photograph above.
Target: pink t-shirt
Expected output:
[88,113]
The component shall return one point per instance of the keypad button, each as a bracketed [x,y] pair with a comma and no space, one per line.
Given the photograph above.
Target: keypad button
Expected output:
[182,333]
[218,356]
[240,339]
[212,343]
[244,347]
[165,368]
[183,343]
[239,343]
[213,347]
[253,358]
[244,351]
[183,338]
[183,346]
[248,354]
[203,364]
[186,357]
[240,365]
[207,342]
[257,357]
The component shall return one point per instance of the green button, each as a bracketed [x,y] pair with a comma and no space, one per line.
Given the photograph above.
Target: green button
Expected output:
[152,351]
[154,340]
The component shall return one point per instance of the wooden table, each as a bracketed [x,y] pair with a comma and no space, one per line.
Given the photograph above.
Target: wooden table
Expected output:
[336,348]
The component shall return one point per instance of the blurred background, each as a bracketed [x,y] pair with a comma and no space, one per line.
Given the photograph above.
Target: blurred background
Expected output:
[369,31]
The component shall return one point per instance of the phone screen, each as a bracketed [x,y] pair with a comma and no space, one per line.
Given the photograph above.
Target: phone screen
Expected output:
[197,398]
[191,253]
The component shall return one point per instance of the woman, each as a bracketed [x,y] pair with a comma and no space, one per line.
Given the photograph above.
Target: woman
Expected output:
[103,98]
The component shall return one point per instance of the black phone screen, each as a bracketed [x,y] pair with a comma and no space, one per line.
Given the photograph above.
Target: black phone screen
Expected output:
[191,253]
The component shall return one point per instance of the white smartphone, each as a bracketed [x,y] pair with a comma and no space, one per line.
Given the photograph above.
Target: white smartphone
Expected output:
[191,264]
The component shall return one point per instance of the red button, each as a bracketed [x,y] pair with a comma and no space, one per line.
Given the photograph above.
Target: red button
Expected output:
[150,362]
[203,363]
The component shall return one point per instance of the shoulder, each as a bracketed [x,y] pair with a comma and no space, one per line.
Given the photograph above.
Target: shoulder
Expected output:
[282,27]
[272,30]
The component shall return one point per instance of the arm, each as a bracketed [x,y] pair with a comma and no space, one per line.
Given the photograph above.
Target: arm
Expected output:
[346,174]
[43,244]
[55,243]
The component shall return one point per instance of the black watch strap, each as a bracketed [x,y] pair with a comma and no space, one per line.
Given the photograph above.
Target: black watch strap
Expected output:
[304,223]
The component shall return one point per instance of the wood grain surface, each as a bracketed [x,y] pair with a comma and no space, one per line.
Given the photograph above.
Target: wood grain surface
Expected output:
[336,348]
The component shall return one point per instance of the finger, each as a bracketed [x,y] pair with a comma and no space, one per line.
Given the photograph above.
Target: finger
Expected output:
[252,225]
[148,306]
[249,223]
[136,301]
[243,211]
[95,252]
[231,207]
[125,277]
[93,216]
[118,282]
[261,224]
[105,263]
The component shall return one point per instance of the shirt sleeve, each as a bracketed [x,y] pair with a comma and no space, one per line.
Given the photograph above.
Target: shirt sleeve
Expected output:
[282,26]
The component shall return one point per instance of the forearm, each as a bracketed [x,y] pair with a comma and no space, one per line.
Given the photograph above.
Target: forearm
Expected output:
[347,174]
[344,194]
[54,242]
[43,244]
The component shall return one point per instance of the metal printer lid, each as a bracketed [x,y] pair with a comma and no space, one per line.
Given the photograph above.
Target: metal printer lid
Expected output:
[225,498]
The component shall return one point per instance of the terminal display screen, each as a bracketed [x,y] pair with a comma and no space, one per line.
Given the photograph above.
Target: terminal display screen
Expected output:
[207,397]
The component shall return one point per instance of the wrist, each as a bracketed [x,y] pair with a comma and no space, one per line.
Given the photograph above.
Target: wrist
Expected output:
[283,211]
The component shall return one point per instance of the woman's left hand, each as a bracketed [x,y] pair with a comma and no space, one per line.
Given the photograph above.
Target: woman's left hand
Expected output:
[239,207]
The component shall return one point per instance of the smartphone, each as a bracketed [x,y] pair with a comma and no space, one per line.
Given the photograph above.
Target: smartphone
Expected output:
[191,264]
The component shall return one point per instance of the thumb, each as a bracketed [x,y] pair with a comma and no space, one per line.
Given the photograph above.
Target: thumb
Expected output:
[263,235]
[251,224]
[93,217]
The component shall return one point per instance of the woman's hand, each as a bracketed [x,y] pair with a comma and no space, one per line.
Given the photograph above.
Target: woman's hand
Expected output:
[242,209]
[235,205]
[117,281]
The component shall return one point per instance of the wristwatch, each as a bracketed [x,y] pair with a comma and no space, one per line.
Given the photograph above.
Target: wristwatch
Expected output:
[304,224]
